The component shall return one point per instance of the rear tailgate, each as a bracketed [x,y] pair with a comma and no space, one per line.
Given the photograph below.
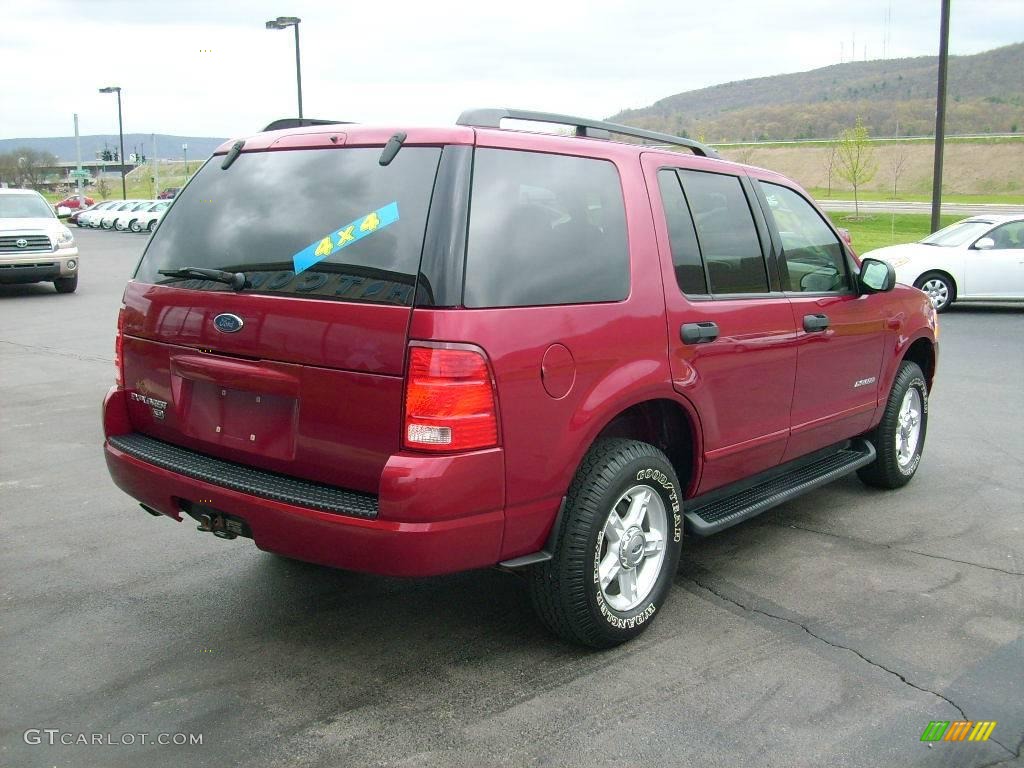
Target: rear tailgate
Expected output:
[302,372]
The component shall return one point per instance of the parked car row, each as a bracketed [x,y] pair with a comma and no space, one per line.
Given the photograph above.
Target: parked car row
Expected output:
[122,215]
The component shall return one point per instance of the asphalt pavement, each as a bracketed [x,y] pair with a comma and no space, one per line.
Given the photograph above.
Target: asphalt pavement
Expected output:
[827,632]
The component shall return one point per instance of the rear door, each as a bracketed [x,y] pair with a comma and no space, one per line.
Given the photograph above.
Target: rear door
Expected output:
[720,282]
[840,334]
[300,372]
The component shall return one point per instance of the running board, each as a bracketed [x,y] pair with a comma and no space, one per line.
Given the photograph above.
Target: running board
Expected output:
[715,512]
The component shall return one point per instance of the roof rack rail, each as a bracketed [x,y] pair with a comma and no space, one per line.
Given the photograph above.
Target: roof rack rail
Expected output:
[594,129]
[301,122]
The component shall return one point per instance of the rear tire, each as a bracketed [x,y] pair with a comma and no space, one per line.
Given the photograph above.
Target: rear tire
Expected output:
[618,548]
[152,226]
[899,438]
[134,225]
[940,289]
[66,284]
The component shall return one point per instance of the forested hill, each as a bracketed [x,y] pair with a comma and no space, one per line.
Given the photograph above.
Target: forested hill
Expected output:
[894,96]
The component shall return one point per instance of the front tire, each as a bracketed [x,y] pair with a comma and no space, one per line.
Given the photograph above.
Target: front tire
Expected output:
[618,547]
[134,226]
[899,438]
[940,289]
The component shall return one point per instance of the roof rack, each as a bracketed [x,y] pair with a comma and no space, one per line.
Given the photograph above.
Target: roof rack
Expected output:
[594,129]
[300,122]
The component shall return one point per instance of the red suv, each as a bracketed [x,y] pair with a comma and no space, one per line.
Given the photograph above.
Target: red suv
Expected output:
[423,350]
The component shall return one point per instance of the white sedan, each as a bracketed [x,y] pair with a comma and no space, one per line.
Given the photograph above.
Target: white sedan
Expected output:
[977,259]
[131,218]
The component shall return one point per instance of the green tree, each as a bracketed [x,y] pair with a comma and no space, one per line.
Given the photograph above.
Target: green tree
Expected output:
[855,160]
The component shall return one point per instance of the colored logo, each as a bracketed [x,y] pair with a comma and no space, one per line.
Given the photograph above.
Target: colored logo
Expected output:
[228,323]
[352,232]
[958,730]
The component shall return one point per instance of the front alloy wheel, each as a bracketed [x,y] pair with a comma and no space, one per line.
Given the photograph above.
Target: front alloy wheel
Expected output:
[939,289]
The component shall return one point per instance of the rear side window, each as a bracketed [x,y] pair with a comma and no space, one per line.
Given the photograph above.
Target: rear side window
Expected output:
[545,229]
[323,224]
[813,257]
[686,259]
[726,231]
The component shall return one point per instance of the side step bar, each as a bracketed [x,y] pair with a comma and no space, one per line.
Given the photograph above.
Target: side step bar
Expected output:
[714,512]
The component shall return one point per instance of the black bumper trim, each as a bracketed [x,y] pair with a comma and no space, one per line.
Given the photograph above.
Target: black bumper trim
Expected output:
[239,477]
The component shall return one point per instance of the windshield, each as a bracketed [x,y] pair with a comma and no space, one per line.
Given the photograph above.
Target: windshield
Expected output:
[325,224]
[24,207]
[958,234]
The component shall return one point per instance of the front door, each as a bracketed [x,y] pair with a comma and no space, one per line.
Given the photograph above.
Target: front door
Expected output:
[840,334]
[730,333]
[997,272]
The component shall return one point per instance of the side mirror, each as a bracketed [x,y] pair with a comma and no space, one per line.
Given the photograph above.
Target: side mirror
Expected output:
[876,276]
[985,243]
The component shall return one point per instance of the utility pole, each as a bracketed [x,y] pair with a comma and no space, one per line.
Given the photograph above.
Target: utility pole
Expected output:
[940,116]
[78,160]
[156,170]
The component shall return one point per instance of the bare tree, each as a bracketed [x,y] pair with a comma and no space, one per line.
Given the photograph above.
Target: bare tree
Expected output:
[897,163]
[830,164]
[856,160]
[25,167]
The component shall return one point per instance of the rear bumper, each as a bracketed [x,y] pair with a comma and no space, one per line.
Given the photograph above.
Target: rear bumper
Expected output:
[445,521]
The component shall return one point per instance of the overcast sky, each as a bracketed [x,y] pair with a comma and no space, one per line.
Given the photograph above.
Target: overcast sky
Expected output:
[209,68]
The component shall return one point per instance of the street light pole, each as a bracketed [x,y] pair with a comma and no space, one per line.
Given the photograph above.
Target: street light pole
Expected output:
[283,22]
[120,130]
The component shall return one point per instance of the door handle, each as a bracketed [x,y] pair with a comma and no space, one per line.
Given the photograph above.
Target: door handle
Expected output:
[814,323]
[699,333]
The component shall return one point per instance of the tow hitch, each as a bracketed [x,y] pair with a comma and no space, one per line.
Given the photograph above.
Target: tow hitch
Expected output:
[213,521]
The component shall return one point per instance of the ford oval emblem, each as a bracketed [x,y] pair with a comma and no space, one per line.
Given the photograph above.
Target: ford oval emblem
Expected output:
[228,323]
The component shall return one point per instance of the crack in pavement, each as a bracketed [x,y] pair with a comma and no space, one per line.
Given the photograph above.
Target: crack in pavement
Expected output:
[58,352]
[893,547]
[1005,760]
[840,646]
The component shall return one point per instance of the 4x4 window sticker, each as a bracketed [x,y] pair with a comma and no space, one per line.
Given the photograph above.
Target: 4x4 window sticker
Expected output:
[345,236]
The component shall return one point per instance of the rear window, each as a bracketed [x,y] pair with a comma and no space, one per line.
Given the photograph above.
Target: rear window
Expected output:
[325,224]
[545,229]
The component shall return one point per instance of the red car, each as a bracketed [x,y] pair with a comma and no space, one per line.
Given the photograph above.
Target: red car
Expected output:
[169,194]
[76,202]
[472,346]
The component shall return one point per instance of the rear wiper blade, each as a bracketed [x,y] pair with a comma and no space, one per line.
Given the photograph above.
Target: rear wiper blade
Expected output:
[235,279]
[232,154]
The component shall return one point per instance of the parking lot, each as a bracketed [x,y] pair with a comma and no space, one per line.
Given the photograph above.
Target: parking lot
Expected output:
[829,631]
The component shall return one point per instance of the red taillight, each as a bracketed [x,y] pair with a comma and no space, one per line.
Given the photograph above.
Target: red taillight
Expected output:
[449,401]
[119,350]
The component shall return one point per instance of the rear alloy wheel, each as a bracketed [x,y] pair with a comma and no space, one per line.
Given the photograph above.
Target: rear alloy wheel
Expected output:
[66,284]
[940,289]
[134,226]
[618,547]
[152,225]
[899,438]
[106,226]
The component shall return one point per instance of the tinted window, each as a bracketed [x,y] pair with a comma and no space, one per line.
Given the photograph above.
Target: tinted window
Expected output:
[726,231]
[545,229]
[685,252]
[812,254]
[352,228]
[1009,235]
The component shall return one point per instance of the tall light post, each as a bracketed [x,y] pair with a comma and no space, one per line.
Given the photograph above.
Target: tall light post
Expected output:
[184,151]
[283,22]
[940,117]
[120,130]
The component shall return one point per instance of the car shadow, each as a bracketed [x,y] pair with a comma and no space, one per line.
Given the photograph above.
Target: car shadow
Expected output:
[27,289]
[984,308]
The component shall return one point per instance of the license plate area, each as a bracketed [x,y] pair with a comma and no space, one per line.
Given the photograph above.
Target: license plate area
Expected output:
[240,419]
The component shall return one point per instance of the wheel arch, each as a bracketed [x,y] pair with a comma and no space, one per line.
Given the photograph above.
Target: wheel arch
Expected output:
[669,423]
[922,352]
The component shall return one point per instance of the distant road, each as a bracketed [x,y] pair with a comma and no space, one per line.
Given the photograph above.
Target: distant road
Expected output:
[884,206]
